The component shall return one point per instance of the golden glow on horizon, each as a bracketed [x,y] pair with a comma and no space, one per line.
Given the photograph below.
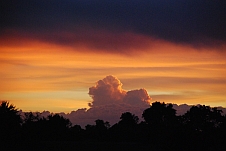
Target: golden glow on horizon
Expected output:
[41,76]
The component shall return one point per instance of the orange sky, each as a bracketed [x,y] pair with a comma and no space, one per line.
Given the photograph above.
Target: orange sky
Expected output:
[37,75]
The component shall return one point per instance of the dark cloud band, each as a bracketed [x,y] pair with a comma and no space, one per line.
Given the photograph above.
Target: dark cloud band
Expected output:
[193,22]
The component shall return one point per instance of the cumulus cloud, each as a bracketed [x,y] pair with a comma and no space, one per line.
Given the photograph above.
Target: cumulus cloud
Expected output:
[109,91]
[106,91]
[182,108]
[111,113]
[109,101]
[137,97]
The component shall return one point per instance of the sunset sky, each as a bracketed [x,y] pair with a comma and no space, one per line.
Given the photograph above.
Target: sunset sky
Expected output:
[53,52]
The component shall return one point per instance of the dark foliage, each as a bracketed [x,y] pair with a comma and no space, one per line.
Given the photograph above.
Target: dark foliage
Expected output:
[200,128]
[160,114]
[10,121]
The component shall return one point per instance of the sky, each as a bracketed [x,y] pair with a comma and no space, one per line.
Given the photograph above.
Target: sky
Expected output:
[96,55]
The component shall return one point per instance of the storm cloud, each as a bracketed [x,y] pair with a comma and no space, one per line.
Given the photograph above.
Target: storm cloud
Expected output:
[105,24]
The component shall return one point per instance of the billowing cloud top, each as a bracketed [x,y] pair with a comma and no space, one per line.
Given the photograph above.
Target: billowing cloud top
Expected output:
[106,91]
[96,23]
[109,91]
[109,101]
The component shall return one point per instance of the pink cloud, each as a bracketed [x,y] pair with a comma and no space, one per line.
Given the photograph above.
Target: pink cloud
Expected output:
[106,91]
[137,97]
[109,101]
[109,91]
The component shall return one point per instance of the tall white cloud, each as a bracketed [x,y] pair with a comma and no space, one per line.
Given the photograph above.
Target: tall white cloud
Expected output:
[109,91]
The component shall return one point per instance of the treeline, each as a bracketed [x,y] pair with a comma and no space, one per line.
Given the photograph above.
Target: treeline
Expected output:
[201,127]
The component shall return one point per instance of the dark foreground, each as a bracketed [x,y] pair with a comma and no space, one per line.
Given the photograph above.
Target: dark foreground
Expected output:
[201,128]
[100,146]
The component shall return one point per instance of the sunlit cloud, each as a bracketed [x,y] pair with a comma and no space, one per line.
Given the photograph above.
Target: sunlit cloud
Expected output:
[109,91]
[178,55]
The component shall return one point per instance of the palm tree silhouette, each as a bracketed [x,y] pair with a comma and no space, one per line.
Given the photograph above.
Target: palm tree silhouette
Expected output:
[10,121]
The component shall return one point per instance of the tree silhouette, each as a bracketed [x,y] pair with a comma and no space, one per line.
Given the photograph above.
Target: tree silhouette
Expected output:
[101,128]
[32,126]
[58,122]
[56,127]
[10,121]
[76,133]
[202,118]
[222,132]
[31,117]
[160,114]
[53,127]
[201,125]
[200,128]
[76,128]
[128,119]
[126,128]
[101,125]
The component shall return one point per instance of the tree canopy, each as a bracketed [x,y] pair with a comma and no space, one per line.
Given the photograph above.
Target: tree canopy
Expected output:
[201,127]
